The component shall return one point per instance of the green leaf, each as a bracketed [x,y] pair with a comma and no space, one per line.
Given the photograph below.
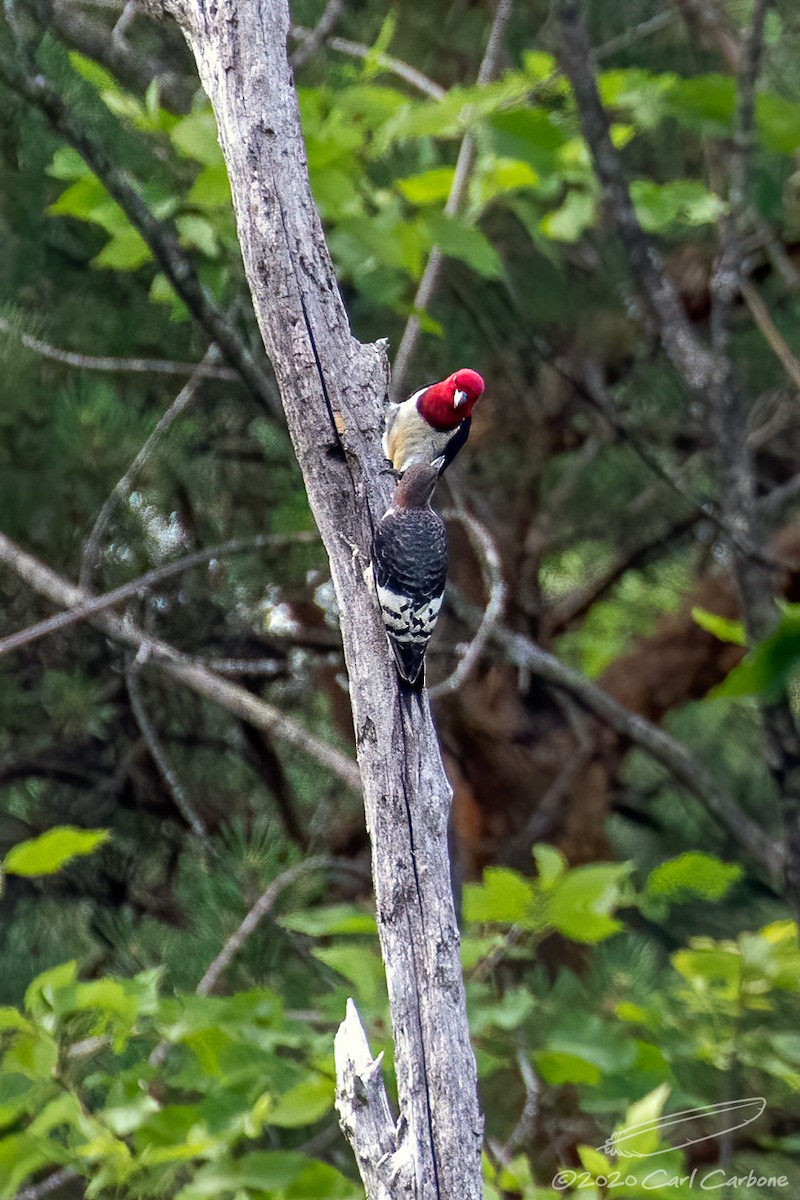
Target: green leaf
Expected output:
[693,873]
[430,187]
[162,292]
[41,991]
[569,222]
[683,201]
[550,864]
[457,239]
[100,79]
[530,135]
[52,850]
[767,669]
[126,251]
[580,904]
[10,1018]
[706,962]
[594,1162]
[303,1104]
[20,1156]
[385,34]
[18,1095]
[504,896]
[639,1132]
[778,122]
[211,188]
[199,233]
[721,627]
[537,64]
[323,1183]
[363,970]
[557,1067]
[640,93]
[501,176]
[195,137]
[33,1055]
[705,103]
[330,919]
[263,1170]
[80,199]
[589,1037]
[67,164]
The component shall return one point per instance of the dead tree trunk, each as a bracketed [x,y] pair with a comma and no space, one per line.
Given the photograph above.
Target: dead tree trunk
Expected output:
[334,390]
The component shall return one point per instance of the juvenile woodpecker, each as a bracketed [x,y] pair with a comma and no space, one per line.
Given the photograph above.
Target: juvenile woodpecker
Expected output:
[434,422]
[409,563]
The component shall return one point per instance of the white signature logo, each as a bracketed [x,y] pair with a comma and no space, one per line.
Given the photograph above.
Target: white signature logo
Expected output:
[735,1113]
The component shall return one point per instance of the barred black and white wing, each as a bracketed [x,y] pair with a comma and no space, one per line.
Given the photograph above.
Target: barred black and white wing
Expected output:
[409,557]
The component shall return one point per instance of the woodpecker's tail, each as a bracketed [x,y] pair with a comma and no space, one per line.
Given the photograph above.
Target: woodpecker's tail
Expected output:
[410,659]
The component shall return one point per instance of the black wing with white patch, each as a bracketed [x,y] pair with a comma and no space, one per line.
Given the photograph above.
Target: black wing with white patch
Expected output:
[409,557]
[455,444]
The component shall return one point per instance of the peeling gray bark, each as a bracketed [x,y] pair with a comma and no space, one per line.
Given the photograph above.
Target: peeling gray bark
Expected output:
[334,390]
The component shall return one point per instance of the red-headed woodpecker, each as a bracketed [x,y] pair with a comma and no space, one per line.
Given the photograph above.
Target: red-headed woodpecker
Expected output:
[409,564]
[432,423]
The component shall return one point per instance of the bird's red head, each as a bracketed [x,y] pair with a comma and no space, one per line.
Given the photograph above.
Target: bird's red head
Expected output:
[445,405]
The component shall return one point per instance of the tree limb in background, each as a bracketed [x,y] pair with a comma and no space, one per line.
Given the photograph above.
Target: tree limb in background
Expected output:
[256,914]
[49,1185]
[92,605]
[91,37]
[728,420]
[520,650]
[172,781]
[387,62]
[772,336]
[458,190]
[313,39]
[673,755]
[93,362]
[334,393]
[160,237]
[706,16]
[124,486]
[492,570]
[205,683]
[703,370]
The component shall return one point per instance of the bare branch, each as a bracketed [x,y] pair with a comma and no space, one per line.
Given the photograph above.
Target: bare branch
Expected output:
[93,38]
[161,238]
[694,361]
[170,776]
[52,1183]
[525,1128]
[709,373]
[387,62]
[143,366]
[636,33]
[772,336]
[772,505]
[705,15]
[492,570]
[458,190]
[93,605]
[124,486]
[578,602]
[672,755]
[256,914]
[236,699]
[314,38]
